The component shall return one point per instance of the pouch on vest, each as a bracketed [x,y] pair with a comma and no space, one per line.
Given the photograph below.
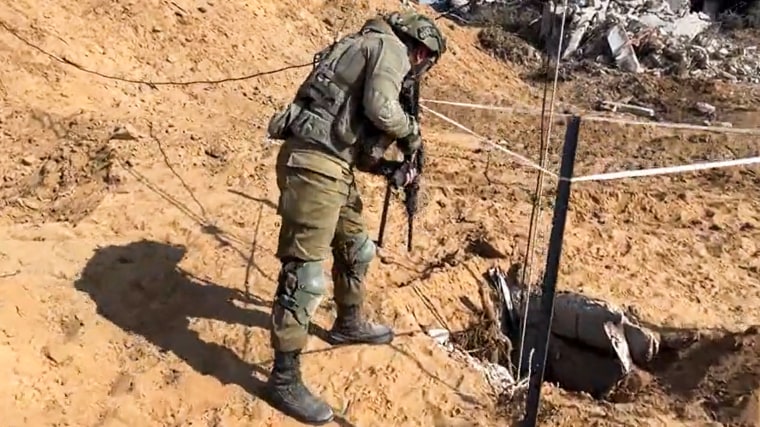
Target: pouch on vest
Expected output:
[310,127]
[279,124]
[322,97]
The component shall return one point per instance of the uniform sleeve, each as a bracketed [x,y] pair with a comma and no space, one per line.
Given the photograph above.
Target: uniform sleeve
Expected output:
[387,64]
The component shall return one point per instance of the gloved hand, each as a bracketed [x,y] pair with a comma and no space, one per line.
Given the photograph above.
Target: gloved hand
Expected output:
[398,174]
[412,142]
[403,175]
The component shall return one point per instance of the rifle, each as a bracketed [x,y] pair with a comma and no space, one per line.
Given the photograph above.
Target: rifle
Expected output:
[409,98]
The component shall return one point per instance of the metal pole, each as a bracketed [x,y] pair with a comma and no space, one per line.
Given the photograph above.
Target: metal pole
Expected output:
[548,289]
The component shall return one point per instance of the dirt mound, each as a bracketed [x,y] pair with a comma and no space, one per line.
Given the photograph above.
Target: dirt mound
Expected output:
[717,377]
[508,46]
[64,169]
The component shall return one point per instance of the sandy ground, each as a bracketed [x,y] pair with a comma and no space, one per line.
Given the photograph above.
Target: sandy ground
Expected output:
[136,274]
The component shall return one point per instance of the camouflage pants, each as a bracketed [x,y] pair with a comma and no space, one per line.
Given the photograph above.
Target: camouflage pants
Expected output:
[321,213]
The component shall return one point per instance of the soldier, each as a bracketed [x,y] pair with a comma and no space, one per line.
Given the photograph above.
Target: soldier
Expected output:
[344,116]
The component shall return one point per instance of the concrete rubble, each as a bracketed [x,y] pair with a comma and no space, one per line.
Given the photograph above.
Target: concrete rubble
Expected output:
[658,36]
[626,108]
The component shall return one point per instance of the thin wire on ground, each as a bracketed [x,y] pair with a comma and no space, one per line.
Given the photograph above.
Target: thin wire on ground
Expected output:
[522,159]
[153,83]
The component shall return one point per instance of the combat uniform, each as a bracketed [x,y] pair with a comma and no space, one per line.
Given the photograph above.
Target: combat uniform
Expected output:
[343,117]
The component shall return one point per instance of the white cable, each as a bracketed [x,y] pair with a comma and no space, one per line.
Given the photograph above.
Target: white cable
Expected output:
[594,118]
[524,160]
[521,110]
[668,170]
[673,125]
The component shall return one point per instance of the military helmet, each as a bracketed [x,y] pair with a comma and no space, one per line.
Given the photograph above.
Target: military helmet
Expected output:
[421,29]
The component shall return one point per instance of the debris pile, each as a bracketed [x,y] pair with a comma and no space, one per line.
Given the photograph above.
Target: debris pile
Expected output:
[594,347]
[485,346]
[681,37]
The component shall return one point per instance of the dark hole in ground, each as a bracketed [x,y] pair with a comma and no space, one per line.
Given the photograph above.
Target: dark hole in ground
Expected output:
[481,247]
[704,376]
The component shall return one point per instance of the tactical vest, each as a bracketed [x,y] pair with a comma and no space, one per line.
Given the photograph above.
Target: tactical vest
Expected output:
[327,110]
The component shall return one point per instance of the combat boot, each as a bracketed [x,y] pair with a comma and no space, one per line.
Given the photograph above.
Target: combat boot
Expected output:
[351,328]
[288,393]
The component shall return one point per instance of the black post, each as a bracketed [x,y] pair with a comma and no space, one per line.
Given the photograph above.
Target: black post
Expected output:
[549,286]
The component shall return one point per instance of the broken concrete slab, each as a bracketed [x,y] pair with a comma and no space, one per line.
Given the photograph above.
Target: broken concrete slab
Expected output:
[690,25]
[705,108]
[622,50]
[596,13]
[616,107]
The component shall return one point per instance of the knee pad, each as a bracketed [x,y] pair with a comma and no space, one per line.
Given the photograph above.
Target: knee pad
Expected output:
[301,287]
[355,255]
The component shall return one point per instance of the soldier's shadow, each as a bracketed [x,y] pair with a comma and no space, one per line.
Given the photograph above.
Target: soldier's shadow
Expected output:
[140,288]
